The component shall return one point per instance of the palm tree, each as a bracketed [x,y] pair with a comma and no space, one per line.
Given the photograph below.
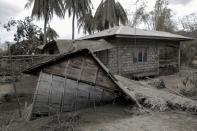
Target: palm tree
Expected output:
[51,33]
[45,9]
[87,23]
[109,14]
[78,9]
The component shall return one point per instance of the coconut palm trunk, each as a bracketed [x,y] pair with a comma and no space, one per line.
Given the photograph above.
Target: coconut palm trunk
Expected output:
[45,31]
[46,9]
[77,9]
[45,23]
[73,26]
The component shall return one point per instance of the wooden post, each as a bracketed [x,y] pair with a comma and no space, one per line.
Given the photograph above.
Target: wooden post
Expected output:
[18,101]
[50,94]
[65,86]
[118,59]
[179,57]
[79,78]
[35,96]
[14,81]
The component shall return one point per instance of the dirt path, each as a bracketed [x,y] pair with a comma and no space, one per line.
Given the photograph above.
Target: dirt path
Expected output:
[117,118]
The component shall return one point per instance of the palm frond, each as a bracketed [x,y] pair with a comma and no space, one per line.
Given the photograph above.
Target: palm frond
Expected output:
[28,4]
[46,8]
[108,14]
[87,23]
[79,7]
[51,34]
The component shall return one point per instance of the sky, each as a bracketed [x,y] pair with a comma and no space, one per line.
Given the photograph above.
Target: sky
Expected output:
[14,9]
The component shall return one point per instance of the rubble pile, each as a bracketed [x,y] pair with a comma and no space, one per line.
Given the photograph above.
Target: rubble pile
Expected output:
[157,83]
[157,99]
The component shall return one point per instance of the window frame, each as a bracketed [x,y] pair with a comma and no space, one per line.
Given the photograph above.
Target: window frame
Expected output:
[140,55]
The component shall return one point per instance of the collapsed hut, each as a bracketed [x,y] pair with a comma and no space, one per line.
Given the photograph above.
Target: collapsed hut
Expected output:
[70,82]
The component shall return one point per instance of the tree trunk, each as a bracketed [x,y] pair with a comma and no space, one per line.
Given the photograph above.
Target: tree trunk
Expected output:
[45,23]
[73,26]
[45,32]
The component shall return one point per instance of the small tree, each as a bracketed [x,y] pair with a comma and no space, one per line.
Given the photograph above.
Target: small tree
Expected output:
[139,15]
[189,22]
[25,29]
[159,19]
[189,49]
[27,36]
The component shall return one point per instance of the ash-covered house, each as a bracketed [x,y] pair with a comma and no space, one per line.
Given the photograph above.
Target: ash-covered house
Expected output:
[139,53]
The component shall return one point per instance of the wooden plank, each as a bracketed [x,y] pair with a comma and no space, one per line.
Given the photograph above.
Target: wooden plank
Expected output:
[65,86]
[104,81]
[79,78]
[34,98]
[49,96]
[58,68]
[89,74]
[83,93]
[98,84]
[73,72]
[95,94]
[69,95]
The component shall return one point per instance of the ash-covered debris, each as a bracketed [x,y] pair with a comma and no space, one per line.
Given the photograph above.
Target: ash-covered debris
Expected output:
[190,86]
[157,99]
[157,83]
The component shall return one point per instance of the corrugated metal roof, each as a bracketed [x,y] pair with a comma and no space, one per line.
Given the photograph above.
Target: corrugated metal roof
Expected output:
[122,31]
[94,46]
[65,46]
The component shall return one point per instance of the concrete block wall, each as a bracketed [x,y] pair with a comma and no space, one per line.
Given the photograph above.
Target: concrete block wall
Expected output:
[120,58]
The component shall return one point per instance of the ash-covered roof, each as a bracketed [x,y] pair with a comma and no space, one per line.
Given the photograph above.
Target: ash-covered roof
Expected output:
[93,45]
[129,32]
[65,46]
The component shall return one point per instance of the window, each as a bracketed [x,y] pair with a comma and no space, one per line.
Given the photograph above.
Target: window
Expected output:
[140,55]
